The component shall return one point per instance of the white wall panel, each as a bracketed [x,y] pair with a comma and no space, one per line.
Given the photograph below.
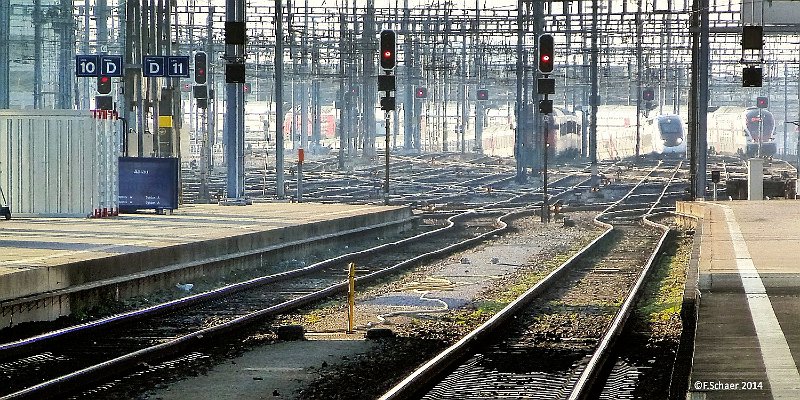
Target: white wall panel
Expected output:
[54,162]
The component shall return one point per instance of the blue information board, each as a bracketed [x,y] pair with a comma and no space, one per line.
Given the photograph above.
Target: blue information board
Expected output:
[154,66]
[147,183]
[111,66]
[178,66]
[87,65]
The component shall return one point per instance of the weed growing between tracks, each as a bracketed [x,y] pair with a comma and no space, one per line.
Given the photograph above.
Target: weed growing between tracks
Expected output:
[653,335]
[370,374]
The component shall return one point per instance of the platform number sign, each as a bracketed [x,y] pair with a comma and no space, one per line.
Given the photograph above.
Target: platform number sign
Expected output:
[86,66]
[178,66]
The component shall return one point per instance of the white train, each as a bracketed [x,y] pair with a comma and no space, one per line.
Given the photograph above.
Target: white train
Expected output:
[616,133]
[670,135]
[742,131]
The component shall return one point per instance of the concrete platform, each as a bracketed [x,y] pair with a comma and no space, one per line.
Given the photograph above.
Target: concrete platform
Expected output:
[747,343]
[46,262]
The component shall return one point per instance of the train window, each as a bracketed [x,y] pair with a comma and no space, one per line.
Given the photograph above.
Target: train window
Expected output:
[670,126]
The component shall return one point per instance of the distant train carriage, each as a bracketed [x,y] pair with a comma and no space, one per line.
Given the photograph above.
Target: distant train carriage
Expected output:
[742,131]
[616,133]
[564,138]
[564,135]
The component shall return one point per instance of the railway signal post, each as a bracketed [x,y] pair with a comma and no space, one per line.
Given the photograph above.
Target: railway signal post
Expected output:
[387,84]
[546,86]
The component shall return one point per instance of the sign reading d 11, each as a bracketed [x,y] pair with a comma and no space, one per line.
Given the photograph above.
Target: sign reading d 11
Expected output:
[94,65]
[161,66]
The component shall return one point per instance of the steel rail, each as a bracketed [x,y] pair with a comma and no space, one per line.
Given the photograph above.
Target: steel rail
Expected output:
[6,349]
[588,376]
[67,382]
[424,376]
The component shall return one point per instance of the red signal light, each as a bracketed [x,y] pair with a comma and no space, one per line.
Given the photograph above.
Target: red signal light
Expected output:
[546,53]
[104,84]
[200,66]
[388,47]
[648,94]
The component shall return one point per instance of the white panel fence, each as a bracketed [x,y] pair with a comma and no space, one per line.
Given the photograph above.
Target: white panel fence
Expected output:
[59,162]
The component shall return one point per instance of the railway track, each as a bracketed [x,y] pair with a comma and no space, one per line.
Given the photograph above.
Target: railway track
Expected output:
[59,362]
[62,361]
[552,341]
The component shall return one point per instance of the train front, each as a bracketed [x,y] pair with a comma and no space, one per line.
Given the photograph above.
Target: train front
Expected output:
[672,136]
[760,130]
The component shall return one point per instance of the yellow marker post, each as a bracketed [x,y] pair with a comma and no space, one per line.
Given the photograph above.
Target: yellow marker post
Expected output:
[351,297]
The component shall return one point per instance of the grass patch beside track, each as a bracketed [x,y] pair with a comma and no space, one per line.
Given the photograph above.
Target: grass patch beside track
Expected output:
[663,294]
[654,331]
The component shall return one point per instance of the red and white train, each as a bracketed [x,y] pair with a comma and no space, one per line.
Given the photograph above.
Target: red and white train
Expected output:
[742,131]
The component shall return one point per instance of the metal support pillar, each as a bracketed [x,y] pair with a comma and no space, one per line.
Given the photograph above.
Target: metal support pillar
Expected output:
[234,104]
[136,51]
[5,28]
[211,111]
[151,47]
[445,78]
[699,98]
[85,47]
[66,55]
[703,94]
[416,142]
[519,136]
[343,95]
[478,80]
[368,87]
[316,101]
[280,189]
[545,213]
[639,110]
[408,61]
[785,108]
[594,100]
[37,54]
[304,79]
[464,95]
[693,108]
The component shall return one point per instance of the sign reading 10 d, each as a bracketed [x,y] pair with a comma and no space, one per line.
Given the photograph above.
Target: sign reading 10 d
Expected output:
[94,65]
